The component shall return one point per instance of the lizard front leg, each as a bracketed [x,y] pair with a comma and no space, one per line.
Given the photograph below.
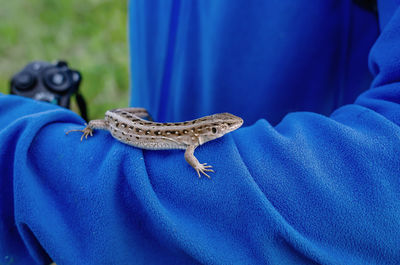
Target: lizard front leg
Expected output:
[192,160]
[93,124]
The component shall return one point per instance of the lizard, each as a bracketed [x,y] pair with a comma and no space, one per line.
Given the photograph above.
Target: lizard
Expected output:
[130,126]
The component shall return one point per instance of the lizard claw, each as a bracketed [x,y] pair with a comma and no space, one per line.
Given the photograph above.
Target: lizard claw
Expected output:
[202,168]
[209,166]
[87,131]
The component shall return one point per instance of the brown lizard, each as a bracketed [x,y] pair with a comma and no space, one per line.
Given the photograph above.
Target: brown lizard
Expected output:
[129,126]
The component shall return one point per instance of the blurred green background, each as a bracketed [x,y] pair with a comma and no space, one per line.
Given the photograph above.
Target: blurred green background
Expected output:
[90,35]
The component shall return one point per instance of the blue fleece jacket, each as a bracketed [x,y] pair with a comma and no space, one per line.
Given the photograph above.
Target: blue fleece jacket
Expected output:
[316,187]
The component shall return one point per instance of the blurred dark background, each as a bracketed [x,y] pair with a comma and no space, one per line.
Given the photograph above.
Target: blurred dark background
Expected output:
[91,35]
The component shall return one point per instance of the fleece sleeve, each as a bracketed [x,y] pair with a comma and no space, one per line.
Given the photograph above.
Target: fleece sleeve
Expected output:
[312,190]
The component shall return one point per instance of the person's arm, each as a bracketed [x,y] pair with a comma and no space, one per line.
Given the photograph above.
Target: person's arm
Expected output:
[312,189]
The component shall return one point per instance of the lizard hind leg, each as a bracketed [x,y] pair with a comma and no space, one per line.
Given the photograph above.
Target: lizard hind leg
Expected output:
[139,112]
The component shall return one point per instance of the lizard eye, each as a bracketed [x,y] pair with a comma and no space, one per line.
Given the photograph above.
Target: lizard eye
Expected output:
[214,130]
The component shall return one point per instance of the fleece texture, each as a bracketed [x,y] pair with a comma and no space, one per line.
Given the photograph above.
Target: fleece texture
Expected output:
[319,187]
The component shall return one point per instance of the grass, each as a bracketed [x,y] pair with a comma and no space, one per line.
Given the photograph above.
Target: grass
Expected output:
[91,35]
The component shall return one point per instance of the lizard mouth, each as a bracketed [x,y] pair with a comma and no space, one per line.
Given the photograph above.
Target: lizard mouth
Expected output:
[239,124]
[235,123]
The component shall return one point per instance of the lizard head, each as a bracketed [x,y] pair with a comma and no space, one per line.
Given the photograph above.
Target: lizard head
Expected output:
[218,125]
